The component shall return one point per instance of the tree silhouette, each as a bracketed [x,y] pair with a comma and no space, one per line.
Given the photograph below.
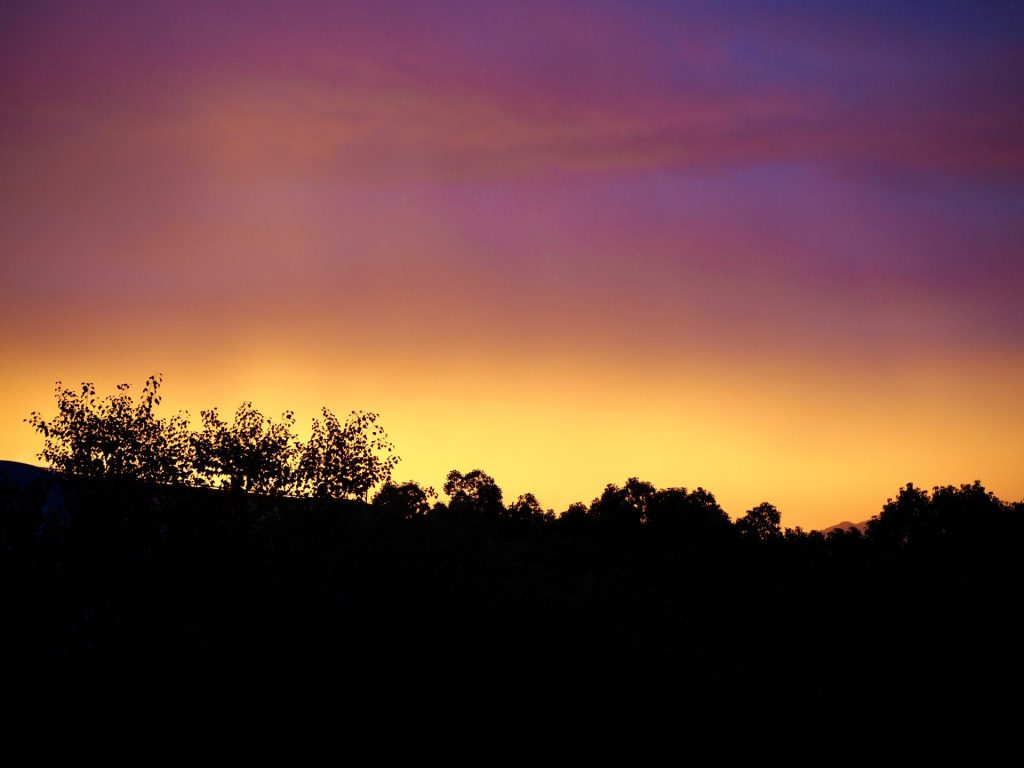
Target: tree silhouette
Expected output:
[966,512]
[346,459]
[626,505]
[761,523]
[474,495]
[646,592]
[114,436]
[575,518]
[691,515]
[251,454]
[405,501]
[904,519]
[918,519]
[526,509]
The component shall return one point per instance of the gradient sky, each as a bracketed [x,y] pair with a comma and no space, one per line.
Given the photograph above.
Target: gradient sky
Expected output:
[772,249]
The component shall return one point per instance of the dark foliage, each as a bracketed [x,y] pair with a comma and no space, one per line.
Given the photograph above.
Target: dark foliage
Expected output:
[404,502]
[645,627]
[346,460]
[113,437]
[496,621]
[474,495]
[763,522]
[252,453]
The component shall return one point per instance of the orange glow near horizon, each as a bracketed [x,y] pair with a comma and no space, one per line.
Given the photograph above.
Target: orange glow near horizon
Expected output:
[823,448]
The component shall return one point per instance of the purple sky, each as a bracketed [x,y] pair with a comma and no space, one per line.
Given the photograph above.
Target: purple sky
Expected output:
[795,213]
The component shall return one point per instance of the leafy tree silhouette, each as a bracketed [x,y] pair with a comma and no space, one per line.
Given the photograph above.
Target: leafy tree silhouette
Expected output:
[251,454]
[575,519]
[691,515]
[626,505]
[917,519]
[904,519]
[967,512]
[114,436]
[577,511]
[761,523]
[406,501]
[474,495]
[346,459]
[526,509]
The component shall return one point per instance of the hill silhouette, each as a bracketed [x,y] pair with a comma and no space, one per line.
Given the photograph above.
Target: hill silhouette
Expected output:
[845,525]
[645,624]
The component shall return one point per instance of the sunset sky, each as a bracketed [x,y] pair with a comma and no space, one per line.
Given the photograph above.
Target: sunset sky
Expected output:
[771,249]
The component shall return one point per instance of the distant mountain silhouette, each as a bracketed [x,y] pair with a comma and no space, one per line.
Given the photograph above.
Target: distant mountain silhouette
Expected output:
[845,525]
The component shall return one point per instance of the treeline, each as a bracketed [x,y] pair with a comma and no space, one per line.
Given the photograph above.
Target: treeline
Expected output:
[644,624]
[948,518]
[116,437]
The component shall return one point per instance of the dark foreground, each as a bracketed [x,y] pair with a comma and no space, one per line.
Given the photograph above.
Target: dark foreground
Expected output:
[463,638]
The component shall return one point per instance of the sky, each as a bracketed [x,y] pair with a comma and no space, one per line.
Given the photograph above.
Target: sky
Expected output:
[775,250]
